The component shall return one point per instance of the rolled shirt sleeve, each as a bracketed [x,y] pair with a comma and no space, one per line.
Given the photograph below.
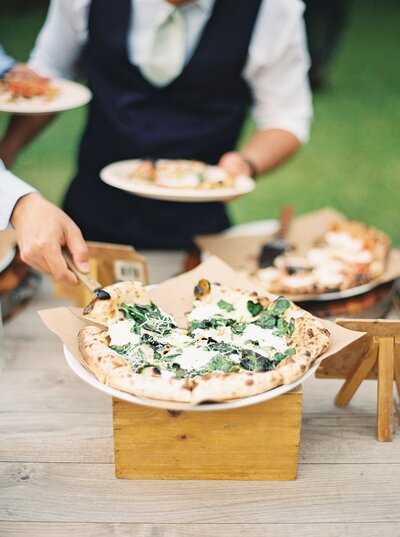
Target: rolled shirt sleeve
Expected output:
[277,69]
[11,190]
[6,62]
[59,44]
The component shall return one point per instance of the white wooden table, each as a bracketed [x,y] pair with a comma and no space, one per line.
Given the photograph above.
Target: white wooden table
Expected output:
[57,475]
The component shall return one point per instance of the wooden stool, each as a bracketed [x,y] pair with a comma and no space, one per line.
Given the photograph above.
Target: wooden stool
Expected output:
[376,357]
[258,442]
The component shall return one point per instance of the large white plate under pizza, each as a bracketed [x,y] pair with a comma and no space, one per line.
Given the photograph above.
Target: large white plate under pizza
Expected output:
[69,95]
[90,379]
[122,175]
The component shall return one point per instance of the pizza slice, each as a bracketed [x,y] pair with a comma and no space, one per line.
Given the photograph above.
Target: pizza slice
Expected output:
[14,87]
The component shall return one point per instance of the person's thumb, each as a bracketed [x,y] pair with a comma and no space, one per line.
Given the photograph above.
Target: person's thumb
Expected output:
[77,247]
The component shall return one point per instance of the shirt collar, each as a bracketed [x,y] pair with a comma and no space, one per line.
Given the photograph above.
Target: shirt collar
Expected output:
[204,5]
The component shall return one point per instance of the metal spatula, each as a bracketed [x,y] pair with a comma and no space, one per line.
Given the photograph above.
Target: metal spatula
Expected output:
[86,279]
[278,245]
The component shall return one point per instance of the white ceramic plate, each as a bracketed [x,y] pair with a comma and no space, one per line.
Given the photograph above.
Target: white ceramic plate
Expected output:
[336,295]
[72,95]
[117,175]
[90,379]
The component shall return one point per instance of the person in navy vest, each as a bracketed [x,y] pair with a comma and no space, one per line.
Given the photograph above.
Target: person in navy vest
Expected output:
[170,79]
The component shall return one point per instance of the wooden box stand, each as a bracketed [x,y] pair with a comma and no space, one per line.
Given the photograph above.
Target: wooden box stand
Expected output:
[258,442]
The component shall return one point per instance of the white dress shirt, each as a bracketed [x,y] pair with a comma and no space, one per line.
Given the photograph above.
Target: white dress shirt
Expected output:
[6,62]
[11,190]
[276,68]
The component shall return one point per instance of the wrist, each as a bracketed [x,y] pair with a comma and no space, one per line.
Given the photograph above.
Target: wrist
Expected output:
[8,153]
[251,166]
[20,206]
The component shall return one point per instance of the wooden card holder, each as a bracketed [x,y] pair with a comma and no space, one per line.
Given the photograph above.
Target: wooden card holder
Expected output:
[108,263]
[258,442]
[375,357]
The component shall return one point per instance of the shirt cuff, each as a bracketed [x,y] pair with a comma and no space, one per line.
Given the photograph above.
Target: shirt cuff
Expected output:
[11,190]
[300,128]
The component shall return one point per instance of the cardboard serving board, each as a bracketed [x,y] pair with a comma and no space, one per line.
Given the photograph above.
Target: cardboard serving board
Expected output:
[242,251]
[175,296]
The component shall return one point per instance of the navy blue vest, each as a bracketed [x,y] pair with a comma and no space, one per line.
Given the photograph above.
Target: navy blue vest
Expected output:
[198,116]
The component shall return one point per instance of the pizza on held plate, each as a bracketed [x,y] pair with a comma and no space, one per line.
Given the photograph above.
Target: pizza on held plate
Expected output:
[189,174]
[236,344]
[13,89]
[349,254]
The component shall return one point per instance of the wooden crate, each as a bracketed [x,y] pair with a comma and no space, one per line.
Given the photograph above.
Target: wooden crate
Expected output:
[258,442]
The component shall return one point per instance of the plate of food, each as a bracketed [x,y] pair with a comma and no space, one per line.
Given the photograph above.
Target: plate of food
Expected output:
[346,260]
[176,180]
[191,343]
[236,344]
[41,96]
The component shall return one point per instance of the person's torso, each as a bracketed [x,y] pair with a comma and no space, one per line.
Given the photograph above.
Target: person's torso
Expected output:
[198,115]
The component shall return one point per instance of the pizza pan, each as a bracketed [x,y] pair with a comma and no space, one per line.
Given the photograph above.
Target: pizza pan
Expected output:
[118,174]
[335,295]
[71,95]
[90,379]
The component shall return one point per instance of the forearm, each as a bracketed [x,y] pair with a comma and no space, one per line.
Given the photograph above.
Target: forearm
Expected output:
[21,130]
[267,149]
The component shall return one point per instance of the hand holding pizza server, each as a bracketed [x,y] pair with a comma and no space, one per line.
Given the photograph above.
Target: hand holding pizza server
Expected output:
[174,79]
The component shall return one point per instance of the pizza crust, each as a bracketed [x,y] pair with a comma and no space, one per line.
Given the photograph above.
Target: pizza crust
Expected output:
[165,389]
[100,359]
[104,311]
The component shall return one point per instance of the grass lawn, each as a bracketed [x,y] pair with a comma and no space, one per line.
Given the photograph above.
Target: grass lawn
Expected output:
[352,161]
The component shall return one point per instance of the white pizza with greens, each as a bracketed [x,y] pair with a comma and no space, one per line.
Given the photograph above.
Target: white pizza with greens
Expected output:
[236,344]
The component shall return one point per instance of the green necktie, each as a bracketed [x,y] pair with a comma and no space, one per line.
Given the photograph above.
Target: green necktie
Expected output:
[167,53]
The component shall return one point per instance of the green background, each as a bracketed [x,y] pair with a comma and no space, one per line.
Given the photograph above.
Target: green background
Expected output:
[352,161]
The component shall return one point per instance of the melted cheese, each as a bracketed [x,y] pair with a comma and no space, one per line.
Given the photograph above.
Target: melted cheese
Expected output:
[178,338]
[268,274]
[299,281]
[215,174]
[204,311]
[120,333]
[264,336]
[343,241]
[188,180]
[194,358]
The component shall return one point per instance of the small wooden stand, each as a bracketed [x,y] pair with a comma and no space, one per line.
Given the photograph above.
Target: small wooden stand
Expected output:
[258,442]
[108,263]
[376,357]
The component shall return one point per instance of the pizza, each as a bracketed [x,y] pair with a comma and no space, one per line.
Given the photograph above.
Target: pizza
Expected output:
[13,89]
[189,174]
[349,254]
[235,344]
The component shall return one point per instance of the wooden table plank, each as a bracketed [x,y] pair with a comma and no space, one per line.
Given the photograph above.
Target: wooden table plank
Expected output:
[45,492]
[55,437]
[29,529]
[64,437]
